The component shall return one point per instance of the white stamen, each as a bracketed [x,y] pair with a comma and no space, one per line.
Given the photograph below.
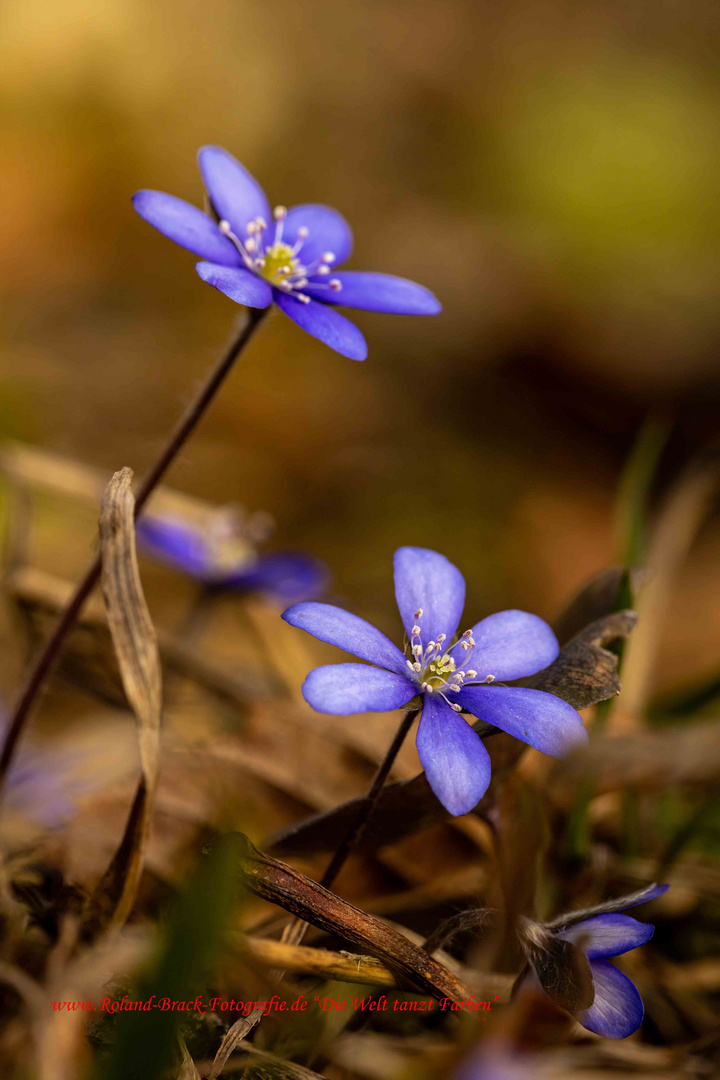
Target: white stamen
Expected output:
[335,285]
[280,212]
[328,257]
[224,227]
[441,638]
[410,665]
[427,688]
[302,297]
[323,270]
[454,706]
[250,244]
[303,232]
[415,631]
[418,614]
[472,674]
[416,666]
[490,678]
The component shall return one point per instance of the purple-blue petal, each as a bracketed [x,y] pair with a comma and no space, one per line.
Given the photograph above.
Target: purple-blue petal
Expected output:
[347,631]
[510,645]
[607,935]
[617,1010]
[542,720]
[426,580]
[235,194]
[237,283]
[378,292]
[343,689]
[328,231]
[287,576]
[324,323]
[186,225]
[456,763]
[176,542]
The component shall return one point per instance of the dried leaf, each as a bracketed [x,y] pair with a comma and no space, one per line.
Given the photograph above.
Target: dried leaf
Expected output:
[272,1065]
[288,888]
[188,1069]
[232,1038]
[684,511]
[562,969]
[137,653]
[584,673]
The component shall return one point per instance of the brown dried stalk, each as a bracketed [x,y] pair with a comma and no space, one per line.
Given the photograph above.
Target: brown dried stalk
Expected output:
[137,653]
[289,889]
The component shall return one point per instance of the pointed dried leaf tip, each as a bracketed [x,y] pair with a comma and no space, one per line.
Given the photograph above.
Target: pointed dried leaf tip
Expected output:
[136,649]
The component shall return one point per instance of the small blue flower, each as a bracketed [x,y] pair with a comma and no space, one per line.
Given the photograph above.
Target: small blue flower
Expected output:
[288,256]
[449,678]
[617,1009]
[222,552]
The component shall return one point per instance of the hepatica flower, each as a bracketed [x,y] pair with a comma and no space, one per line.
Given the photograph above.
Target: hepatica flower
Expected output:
[222,552]
[568,960]
[449,674]
[290,257]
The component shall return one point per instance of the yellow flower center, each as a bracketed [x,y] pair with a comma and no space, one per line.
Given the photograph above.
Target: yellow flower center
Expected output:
[277,263]
[437,672]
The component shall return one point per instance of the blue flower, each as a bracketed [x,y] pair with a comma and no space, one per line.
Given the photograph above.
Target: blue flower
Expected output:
[288,256]
[617,1009]
[448,677]
[221,552]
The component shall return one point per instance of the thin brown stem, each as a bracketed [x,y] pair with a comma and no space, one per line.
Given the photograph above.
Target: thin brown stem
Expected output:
[184,428]
[295,932]
[354,833]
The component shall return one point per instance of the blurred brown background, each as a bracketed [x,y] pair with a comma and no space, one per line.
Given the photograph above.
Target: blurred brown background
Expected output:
[548,169]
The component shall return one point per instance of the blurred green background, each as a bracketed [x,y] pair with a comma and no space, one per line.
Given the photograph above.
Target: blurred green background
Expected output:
[547,168]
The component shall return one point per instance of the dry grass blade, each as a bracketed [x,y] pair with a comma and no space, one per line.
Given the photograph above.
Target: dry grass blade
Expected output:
[188,1069]
[288,888]
[137,653]
[271,1064]
[584,673]
[233,1038]
[686,508]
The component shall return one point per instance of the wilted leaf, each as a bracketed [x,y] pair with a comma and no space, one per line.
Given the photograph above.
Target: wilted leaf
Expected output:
[233,1036]
[137,652]
[562,969]
[301,896]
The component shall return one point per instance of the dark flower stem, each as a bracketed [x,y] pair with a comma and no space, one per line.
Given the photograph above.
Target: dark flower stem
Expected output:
[353,835]
[184,428]
[295,931]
